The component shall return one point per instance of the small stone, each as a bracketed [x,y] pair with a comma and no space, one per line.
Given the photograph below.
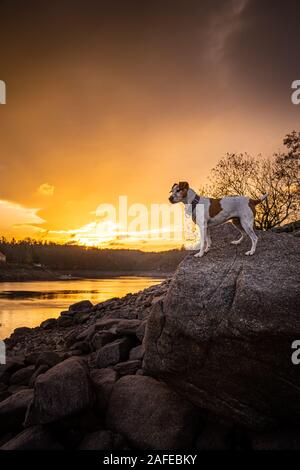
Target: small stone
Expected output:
[101,338]
[48,324]
[128,367]
[126,327]
[80,306]
[113,353]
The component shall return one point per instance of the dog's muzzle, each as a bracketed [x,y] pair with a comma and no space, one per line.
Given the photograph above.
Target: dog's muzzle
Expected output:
[171,199]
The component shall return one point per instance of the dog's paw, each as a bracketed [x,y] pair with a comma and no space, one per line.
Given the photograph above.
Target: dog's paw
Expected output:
[198,255]
[235,242]
[249,253]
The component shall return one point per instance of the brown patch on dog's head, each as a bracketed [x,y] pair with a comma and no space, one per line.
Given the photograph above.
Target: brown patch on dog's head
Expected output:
[184,187]
[214,207]
[179,192]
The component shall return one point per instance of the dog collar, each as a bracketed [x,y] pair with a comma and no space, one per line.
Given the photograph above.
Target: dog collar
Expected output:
[194,203]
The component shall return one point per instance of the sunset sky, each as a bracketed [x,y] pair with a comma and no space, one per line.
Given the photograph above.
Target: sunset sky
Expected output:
[121,97]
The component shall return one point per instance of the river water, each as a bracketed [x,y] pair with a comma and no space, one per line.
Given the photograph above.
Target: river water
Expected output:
[30,303]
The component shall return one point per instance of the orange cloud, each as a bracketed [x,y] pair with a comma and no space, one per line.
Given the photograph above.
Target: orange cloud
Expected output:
[14,216]
[46,189]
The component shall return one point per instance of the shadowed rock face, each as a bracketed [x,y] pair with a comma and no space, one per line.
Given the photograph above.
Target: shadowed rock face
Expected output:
[151,415]
[223,334]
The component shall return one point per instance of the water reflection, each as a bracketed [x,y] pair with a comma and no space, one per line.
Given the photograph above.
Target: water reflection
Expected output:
[30,303]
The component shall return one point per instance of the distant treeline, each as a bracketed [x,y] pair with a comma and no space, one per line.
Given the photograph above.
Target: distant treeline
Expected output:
[73,257]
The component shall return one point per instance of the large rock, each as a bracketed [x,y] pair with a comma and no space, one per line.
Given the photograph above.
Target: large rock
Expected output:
[13,410]
[223,334]
[63,390]
[150,415]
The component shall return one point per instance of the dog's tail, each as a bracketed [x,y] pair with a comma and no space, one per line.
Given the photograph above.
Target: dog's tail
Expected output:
[263,197]
[260,200]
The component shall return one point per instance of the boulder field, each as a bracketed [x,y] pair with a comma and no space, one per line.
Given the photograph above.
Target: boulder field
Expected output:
[201,361]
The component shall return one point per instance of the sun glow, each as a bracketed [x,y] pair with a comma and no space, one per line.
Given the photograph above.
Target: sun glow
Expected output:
[109,235]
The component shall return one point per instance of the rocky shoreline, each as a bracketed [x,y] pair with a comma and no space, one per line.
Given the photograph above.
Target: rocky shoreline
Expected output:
[83,353]
[196,362]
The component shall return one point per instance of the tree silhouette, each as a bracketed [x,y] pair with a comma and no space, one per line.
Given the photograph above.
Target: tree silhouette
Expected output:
[278,176]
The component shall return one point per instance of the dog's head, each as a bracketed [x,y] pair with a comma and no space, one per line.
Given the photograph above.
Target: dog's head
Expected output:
[179,192]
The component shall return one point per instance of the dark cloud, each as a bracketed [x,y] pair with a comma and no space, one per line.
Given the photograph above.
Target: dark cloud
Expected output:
[165,48]
[98,87]
[262,55]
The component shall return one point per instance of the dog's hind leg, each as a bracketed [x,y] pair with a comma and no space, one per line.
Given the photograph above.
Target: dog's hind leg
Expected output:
[248,227]
[236,222]
[208,240]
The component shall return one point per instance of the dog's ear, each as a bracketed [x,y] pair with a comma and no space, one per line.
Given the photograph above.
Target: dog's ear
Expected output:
[175,184]
[183,185]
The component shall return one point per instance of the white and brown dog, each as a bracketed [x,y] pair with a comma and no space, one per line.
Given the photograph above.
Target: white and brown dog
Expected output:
[240,210]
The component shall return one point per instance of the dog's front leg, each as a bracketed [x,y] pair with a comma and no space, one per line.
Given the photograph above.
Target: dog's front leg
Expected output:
[203,235]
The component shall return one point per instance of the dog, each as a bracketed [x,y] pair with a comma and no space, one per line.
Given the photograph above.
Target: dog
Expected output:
[240,210]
